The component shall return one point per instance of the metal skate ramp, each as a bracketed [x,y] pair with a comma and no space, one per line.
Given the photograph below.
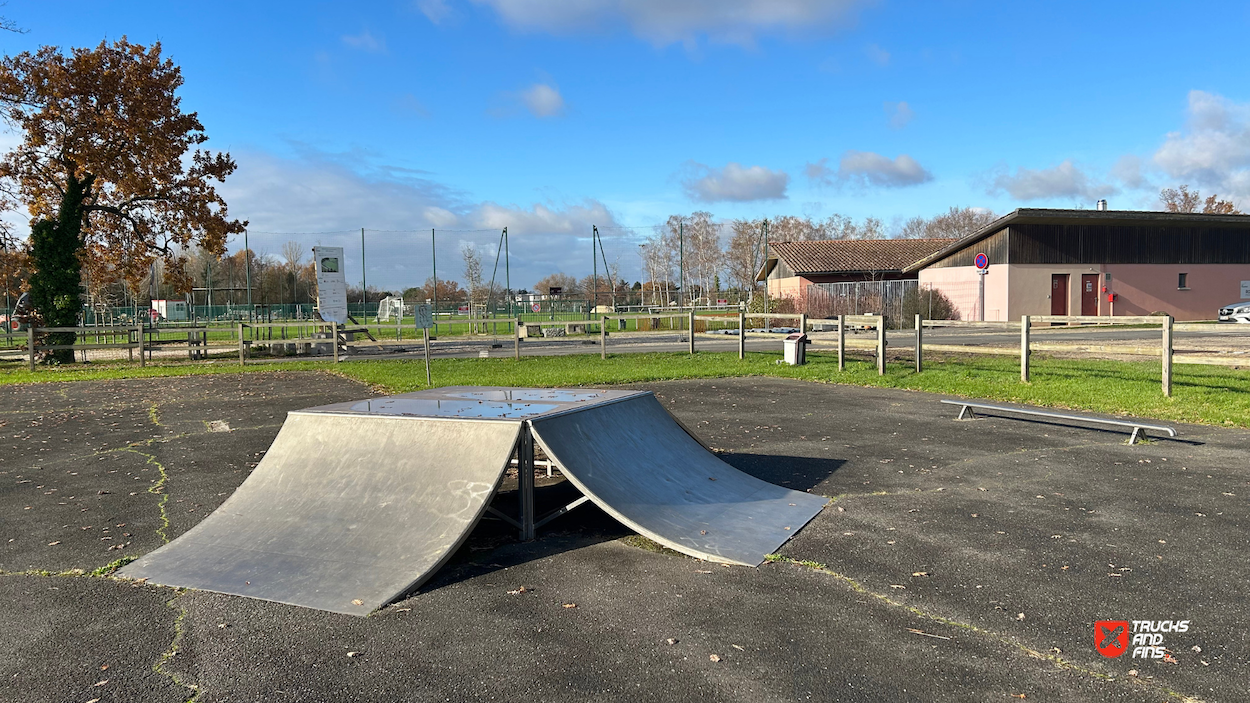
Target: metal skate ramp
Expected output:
[356,504]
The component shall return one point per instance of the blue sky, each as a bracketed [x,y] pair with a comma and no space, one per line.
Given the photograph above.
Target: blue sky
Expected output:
[551,115]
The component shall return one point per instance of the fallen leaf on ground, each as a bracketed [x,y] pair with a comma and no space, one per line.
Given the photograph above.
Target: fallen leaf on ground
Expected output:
[518,591]
[714,657]
[358,602]
[897,585]
[353,654]
[569,605]
[920,573]
[738,647]
[1019,616]
[671,640]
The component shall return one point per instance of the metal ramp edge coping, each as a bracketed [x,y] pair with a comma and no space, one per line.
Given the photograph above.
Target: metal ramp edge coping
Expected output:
[1139,428]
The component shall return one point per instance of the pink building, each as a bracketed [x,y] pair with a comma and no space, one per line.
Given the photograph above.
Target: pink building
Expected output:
[1096,262]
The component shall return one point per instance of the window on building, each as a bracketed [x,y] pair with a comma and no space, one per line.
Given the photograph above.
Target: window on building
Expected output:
[1182,281]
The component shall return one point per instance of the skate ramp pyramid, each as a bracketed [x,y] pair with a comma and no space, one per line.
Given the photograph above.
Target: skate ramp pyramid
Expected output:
[357,504]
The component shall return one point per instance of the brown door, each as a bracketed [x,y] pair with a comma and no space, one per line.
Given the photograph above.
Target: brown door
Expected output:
[1089,294]
[1058,294]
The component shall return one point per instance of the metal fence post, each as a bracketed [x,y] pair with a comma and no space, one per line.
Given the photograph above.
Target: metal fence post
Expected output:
[919,344]
[881,345]
[841,342]
[603,338]
[240,330]
[742,335]
[1167,356]
[1024,348]
[691,330]
[30,345]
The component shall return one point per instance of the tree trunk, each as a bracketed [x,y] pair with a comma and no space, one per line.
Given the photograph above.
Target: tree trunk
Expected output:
[56,248]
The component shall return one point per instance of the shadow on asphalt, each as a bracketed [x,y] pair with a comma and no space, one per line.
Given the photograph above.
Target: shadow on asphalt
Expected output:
[800,473]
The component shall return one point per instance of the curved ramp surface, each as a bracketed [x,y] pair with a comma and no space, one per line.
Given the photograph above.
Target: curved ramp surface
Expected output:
[343,513]
[639,465]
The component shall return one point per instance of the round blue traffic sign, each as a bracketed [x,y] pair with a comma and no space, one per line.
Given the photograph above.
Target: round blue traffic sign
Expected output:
[983,261]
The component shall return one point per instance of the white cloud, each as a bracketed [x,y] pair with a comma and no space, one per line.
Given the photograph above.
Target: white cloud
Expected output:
[365,41]
[543,100]
[325,197]
[435,10]
[900,114]
[1128,171]
[734,182]
[1065,180]
[407,104]
[868,168]
[664,22]
[1214,148]
[877,55]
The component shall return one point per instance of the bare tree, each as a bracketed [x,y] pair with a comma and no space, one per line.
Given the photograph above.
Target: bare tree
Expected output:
[1182,199]
[958,222]
[293,255]
[743,256]
[472,270]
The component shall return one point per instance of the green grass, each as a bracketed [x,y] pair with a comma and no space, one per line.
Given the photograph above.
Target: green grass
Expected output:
[1202,394]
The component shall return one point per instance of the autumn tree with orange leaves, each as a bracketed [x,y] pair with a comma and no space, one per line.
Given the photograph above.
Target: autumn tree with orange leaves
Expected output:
[109,169]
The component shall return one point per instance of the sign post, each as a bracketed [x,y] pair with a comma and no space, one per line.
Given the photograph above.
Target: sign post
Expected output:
[423,318]
[983,267]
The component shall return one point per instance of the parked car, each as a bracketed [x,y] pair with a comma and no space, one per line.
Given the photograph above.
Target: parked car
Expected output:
[1236,312]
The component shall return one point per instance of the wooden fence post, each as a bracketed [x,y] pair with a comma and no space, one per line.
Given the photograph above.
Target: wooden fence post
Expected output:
[841,342]
[1024,348]
[742,335]
[919,344]
[334,335]
[241,356]
[692,330]
[142,356]
[603,339]
[881,345]
[516,327]
[30,345]
[1167,356]
[803,322]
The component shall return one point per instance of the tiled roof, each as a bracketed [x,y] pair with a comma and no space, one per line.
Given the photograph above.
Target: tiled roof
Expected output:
[837,255]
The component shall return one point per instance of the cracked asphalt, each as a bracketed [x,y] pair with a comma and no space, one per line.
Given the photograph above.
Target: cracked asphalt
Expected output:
[959,561]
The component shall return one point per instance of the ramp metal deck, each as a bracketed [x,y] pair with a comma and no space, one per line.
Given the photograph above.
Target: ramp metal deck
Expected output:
[356,504]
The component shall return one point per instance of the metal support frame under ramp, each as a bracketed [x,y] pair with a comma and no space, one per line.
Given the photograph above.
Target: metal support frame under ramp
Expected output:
[1139,428]
[357,504]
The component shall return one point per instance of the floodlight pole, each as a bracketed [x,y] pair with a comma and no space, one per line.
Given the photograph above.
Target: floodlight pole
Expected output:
[434,264]
[594,262]
[364,288]
[507,270]
[247,270]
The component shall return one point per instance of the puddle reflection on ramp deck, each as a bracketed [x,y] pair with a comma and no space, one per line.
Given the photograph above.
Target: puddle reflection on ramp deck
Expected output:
[356,504]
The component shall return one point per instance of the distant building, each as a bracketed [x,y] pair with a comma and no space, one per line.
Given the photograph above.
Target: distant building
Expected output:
[1095,262]
[792,266]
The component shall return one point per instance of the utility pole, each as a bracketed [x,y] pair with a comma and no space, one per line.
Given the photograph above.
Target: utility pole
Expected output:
[764,266]
[681,265]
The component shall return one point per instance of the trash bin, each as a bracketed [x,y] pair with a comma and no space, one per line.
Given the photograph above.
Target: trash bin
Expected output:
[796,349]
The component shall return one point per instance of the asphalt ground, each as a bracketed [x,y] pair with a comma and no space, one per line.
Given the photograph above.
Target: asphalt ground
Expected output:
[959,561]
